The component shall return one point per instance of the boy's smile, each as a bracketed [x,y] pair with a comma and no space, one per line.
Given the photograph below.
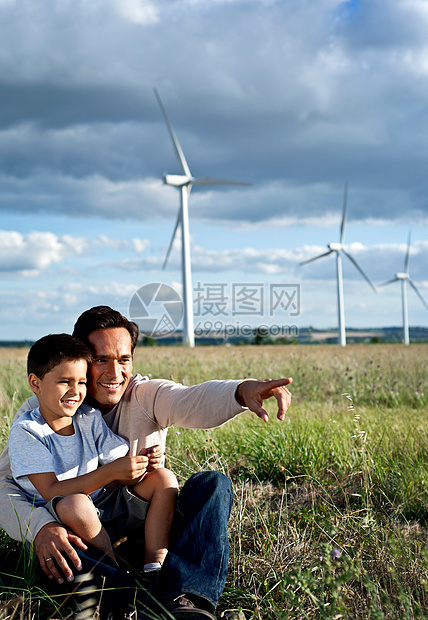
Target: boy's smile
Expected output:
[60,392]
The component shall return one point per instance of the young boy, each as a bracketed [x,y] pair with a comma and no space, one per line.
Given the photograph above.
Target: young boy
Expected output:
[65,457]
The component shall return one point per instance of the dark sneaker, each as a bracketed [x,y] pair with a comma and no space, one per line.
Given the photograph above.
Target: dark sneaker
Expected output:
[149,579]
[180,608]
[183,608]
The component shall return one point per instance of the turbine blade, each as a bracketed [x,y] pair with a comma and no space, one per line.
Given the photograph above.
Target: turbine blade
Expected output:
[406,262]
[311,260]
[413,285]
[213,181]
[354,262]
[345,203]
[388,282]
[175,142]
[177,224]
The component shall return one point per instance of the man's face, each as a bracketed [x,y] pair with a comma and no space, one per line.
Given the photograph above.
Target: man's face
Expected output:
[110,371]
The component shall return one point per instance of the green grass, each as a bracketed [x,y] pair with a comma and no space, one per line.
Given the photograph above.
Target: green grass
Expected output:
[331,506]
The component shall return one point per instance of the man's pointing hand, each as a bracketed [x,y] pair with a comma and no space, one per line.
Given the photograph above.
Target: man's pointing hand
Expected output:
[251,393]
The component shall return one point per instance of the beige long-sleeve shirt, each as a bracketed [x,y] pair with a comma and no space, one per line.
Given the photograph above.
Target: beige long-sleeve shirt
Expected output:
[142,417]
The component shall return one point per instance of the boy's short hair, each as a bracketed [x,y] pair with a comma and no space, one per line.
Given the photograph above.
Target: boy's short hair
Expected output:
[52,350]
[103,317]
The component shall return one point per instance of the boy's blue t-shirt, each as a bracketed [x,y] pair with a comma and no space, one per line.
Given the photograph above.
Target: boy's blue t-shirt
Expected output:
[34,448]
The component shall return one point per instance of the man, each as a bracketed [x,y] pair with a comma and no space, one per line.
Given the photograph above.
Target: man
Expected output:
[141,410]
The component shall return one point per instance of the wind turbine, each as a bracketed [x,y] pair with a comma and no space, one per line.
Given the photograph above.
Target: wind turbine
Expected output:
[184,182]
[404,277]
[338,248]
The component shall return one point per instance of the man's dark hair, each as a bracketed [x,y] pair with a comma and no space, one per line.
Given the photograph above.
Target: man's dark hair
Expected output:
[52,350]
[103,317]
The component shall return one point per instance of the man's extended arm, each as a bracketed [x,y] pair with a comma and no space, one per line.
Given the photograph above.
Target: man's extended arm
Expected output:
[213,403]
[206,405]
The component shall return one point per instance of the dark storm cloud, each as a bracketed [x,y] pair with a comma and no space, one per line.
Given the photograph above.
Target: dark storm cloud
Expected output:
[296,98]
[58,105]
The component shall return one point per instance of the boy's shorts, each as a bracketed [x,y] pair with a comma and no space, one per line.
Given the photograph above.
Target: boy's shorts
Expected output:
[120,511]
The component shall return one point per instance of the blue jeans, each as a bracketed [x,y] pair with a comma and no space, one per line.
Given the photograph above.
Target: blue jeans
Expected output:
[198,555]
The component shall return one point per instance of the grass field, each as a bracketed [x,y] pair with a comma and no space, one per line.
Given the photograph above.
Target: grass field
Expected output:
[331,506]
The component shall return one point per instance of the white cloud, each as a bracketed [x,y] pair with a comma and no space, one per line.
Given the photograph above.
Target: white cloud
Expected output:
[137,11]
[139,245]
[379,262]
[37,251]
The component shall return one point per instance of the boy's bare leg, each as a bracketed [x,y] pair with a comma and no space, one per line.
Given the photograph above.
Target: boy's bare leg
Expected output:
[160,488]
[78,513]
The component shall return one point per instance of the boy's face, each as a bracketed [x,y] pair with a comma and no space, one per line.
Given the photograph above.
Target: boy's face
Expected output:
[61,391]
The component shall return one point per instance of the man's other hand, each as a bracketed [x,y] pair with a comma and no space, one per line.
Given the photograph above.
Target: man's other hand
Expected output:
[53,545]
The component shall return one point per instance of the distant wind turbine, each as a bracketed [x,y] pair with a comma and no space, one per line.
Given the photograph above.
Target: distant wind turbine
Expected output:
[184,182]
[338,248]
[405,277]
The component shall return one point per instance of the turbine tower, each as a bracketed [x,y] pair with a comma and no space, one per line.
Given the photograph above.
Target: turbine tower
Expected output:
[404,277]
[184,182]
[339,248]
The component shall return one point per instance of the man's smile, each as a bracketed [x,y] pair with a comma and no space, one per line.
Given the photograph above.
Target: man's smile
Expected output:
[111,386]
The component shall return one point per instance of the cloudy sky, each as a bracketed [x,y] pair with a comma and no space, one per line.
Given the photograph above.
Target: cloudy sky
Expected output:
[296,97]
